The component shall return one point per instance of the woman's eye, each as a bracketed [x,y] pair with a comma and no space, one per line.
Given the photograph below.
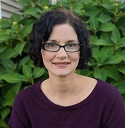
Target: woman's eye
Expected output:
[51,44]
[71,45]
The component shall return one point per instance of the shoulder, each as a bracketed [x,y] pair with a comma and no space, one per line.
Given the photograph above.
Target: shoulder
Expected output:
[24,104]
[28,94]
[103,88]
[107,88]
[111,103]
[108,93]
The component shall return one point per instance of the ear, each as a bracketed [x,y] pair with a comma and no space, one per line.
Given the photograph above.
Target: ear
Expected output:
[79,53]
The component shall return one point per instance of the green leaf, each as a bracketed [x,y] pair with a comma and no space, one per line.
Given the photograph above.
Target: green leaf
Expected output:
[2,47]
[27,71]
[26,22]
[15,18]
[103,18]
[78,7]
[91,11]
[23,61]
[96,53]
[9,95]
[122,28]
[107,27]
[93,39]
[9,53]
[13,91]
[112,72]
[26,30]
[105,54]
[2,70]
[108,5]
[122,5]
[93,22]
[37,72]
[24,2]
[115,37]
[5,112]
[32,12]
[100,74]
[30,63]
[107,37]
[1,85]
[8,102]
[121,69]
[102,42]
[122,55]
[121,86]
[4,35]
[3,124]
[7,63]
[85,72]
[19,47]
[13,77]
[122,42]
[4,23]
[115,59]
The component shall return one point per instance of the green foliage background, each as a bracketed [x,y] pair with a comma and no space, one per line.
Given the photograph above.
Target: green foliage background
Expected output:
[105,20]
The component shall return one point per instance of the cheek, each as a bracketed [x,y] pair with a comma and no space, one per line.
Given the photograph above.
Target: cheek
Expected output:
[75,57]
[46,56]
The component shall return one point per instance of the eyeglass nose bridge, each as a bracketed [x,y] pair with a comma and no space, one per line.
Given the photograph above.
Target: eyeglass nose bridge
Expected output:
[62,46]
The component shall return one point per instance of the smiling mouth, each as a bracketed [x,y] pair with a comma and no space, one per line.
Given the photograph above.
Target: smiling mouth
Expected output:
[61,64]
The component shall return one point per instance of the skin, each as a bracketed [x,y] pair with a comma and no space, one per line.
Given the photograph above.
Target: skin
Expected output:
[64,87]
[61,34]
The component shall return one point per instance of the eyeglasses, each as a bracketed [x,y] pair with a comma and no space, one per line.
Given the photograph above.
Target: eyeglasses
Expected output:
[53,47]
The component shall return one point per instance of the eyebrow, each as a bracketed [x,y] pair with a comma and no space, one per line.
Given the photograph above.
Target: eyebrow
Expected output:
[69,41]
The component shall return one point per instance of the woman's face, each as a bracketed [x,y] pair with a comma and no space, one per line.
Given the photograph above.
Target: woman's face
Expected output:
[61,63]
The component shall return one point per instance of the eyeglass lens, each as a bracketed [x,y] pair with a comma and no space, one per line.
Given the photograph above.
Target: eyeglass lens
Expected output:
[52,47]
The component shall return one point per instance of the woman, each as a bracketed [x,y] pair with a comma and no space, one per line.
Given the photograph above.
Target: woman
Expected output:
[59,42]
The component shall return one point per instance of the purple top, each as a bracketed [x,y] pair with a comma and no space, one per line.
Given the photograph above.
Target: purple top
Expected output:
[103,108]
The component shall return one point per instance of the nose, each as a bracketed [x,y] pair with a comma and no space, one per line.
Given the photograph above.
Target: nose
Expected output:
[61,53]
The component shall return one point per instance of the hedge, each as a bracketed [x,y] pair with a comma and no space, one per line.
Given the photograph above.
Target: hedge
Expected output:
[105,20]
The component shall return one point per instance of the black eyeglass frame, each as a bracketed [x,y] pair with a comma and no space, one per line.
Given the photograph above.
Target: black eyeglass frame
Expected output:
[60,46]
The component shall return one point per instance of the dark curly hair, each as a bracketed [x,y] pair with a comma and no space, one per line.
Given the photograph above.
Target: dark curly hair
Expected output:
[43,27]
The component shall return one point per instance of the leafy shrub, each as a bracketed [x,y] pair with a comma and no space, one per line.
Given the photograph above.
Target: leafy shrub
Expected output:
[105,22]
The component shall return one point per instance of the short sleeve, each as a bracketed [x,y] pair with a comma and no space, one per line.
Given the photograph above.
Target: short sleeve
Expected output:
[19,117]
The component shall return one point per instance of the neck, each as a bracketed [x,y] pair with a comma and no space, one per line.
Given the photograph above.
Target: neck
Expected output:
[63,85]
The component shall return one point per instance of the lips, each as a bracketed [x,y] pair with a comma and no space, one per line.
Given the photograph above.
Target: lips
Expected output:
[61,64]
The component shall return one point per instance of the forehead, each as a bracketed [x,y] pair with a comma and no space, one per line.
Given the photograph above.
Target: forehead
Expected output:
[63,32]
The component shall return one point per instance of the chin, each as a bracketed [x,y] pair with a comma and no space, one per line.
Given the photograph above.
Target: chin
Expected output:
[62,73]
